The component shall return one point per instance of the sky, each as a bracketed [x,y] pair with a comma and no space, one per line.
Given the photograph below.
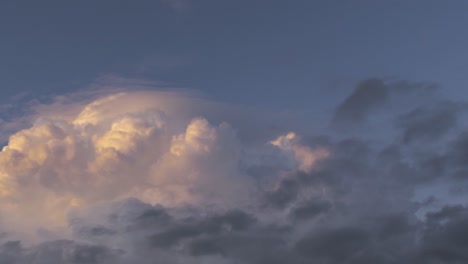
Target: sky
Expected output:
[248,131]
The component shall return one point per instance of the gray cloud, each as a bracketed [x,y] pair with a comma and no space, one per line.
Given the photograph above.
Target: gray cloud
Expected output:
[310,209]
[371,96]
[367,96]
[236,236]
[61,251]
[424,124]
[219,193]
[334,246]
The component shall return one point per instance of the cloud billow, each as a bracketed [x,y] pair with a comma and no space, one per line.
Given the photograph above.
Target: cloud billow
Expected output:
[165,177]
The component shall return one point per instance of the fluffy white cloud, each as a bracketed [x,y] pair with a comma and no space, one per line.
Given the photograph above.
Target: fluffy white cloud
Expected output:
[151,145]
[204,163]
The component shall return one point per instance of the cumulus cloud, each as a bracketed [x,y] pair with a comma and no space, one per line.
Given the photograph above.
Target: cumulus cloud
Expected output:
[150,145]
[120,176]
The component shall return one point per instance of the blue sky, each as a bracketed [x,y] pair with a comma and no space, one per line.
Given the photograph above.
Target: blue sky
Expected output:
[250,52]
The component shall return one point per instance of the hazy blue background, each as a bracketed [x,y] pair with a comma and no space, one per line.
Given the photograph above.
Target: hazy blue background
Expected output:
[281,54]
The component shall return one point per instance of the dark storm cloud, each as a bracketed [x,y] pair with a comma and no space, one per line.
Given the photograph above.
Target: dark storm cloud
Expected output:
[150,218]
[371,95]
[393,239]
[445,241]
[334,246]
[450,161]
[96,231]
[231,235]
[10,252]
[457,155]
[310,209]
[348,163]
[286,193]
[244,247]
[192,228]
[447,213]
[367,96]
[60,251]
[237,237]
[429,123]
[393,225]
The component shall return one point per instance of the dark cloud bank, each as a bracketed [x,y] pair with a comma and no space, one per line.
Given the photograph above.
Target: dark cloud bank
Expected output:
[356,206]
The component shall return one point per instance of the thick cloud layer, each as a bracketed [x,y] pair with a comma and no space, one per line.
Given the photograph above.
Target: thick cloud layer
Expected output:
[165,177]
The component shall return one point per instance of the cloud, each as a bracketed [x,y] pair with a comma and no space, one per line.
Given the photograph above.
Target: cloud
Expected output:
[310,209]
[429,123]
[150,145]
[367,95]
[370,96]
[334,246]
[133,176]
